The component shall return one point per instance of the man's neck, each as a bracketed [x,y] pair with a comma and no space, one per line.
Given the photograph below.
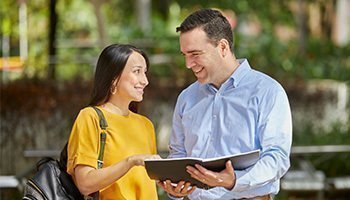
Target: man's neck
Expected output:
[228,70]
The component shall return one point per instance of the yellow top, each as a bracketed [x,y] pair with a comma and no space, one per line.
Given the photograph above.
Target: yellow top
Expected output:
[126,136]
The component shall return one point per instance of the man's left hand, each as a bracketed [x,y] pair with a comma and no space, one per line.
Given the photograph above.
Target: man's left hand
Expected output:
[226,178]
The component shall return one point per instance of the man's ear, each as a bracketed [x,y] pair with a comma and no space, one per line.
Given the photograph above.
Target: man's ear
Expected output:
[224,47]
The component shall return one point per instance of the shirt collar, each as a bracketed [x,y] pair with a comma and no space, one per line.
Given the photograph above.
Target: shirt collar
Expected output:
[234,79]
[242,69]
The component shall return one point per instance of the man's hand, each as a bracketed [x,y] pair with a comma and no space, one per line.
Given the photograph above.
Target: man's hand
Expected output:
[226,178]
[182,189]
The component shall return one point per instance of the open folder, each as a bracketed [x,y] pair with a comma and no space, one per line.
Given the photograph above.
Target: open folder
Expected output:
[174,169]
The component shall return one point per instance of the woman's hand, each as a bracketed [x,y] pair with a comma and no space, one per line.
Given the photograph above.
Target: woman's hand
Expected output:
[138,160]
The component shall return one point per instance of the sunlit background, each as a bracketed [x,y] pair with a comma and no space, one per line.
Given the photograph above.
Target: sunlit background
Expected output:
[49,49]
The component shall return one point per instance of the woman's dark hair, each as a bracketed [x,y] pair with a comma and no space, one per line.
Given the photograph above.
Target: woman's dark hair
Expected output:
[110,66]
[212,22]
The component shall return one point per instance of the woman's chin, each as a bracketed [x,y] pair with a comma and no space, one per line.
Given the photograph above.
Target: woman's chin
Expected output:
[138,99]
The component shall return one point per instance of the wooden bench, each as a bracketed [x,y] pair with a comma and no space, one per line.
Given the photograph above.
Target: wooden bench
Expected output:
[306,178]
[298,180]
[8,182]
[339,183]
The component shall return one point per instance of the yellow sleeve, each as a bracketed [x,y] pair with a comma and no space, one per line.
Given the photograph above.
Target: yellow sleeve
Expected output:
[150,129]
[83,142]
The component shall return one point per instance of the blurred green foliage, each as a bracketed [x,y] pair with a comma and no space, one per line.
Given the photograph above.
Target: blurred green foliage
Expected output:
[322,60]
[77,23]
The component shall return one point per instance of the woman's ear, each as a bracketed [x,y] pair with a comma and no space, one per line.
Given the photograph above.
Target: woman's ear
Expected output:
[113,89]
[114,86]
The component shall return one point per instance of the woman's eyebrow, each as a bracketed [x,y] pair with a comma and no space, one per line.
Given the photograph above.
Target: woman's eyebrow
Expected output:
[139,67]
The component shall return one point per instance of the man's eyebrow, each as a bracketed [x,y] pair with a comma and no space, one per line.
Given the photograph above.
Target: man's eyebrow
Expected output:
[192,51]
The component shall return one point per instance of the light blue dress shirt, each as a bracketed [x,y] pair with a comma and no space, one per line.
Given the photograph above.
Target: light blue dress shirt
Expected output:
[249,111]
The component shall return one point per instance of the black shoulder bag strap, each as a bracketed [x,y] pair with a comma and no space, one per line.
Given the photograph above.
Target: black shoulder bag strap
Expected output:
[103,125]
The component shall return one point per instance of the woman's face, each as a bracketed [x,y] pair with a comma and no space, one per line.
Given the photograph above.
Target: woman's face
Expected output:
[133,79]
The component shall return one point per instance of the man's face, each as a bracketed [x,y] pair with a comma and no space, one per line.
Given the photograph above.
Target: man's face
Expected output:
[201,56]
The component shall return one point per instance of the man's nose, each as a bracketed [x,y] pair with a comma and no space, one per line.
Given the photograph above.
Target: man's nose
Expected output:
[189,62]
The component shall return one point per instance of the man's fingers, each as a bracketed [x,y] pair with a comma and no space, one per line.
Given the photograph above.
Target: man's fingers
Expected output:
[206,175]
[179,187]
[209,177]
[201,169]
[180,190]
[186,188]
[161,184]
[192,189]
[229,167]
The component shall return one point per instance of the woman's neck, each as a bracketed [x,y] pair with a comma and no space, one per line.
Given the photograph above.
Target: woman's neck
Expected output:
[116,109]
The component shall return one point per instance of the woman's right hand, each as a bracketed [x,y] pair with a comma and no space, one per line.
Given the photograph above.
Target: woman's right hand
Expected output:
[138,160]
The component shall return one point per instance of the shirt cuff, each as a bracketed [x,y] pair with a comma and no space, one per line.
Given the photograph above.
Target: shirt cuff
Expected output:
[242,183]
[174,198]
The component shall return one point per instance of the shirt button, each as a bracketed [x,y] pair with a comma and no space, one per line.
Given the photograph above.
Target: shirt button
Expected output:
[214,116]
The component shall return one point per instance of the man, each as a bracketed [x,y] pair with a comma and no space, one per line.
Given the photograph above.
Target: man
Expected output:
[230,109]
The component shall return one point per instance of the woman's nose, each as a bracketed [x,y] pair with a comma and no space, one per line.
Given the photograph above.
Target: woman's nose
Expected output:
[144,80]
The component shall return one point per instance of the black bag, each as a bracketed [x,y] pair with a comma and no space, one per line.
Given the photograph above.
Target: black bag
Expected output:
[52,182]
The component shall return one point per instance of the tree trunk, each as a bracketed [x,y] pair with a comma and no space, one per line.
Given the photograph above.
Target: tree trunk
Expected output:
[143,11]
[302,27]
[23,39]
[341,31]
[100,22]
[52,40]
[328,14]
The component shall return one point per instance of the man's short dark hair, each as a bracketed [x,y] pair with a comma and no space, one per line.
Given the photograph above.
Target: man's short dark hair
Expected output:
[212,22]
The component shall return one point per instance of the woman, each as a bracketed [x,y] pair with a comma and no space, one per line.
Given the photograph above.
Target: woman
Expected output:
[120,79]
